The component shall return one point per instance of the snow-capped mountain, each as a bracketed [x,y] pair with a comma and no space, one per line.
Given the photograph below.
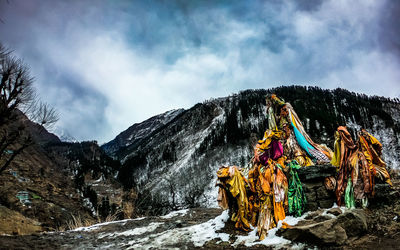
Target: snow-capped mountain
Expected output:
[139,131]
[64,135]
[172,158]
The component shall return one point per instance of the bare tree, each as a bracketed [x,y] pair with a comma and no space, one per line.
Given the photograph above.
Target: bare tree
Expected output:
[15,86]
[16,95]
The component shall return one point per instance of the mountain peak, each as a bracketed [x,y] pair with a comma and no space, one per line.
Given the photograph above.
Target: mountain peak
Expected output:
[139,131]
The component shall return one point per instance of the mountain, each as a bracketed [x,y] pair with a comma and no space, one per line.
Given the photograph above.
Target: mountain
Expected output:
[52,182]
[138,132]
[64,135]
[172,161]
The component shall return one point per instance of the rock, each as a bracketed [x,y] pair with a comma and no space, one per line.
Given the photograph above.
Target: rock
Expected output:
[311,197]
[322,233]
[178,223]
[324,230]
[322,218]
[313,214]
[316,172]
[384,195]
[335,211]
[354,222]
[325,203]
[322,193]
[311,206]
[314,187]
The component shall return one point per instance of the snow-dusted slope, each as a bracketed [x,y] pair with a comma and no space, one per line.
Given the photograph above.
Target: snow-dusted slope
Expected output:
[174,165]
[139,131]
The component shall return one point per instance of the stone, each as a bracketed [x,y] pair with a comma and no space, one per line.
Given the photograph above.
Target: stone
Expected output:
[316,172]
[354,222]
[323,230]
[311,206]
[384,195]
[311,196]
[322,218]
[322,233]
[311,185]
[313,214]
[322,193]
[334,211]
[325,203]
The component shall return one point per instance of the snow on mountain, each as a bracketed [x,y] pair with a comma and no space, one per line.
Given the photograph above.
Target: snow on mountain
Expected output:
[139,131]
[64,135]
[172,158]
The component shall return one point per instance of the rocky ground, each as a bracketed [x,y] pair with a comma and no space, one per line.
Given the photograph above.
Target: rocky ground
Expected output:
[377,227]
[209,228]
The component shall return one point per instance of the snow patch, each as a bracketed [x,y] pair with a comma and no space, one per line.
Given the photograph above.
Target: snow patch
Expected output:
[97,226]
[272,239]
[136,231]
[207,231]
[175,213]
[198,234]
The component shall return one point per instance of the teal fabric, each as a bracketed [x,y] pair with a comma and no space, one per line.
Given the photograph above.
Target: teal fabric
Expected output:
[303,143]
[296,196]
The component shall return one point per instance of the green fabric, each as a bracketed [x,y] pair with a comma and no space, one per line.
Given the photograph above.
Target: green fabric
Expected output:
[296,196]
[349,195]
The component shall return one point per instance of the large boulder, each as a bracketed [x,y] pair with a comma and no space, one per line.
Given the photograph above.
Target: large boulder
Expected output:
[317,172]
[313,183]
[328,229]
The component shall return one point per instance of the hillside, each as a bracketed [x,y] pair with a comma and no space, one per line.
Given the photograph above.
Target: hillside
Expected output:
[51,182]
[174,165]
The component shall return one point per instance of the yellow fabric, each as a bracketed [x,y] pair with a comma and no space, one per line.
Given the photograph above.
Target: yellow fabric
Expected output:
[336,155]
[303,159]
[237,188]
[294,120]
[264,144]
[376,164]
[279,211]
[265,219]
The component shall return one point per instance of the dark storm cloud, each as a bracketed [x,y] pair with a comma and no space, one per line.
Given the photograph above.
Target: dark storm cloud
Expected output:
[389,35]
[108,64]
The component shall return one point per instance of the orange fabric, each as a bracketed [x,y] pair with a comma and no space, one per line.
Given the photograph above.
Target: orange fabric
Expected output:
[347,148]
[372,150]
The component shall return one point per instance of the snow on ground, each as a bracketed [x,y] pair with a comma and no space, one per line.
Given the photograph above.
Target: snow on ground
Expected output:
[175,213]
[164,232]
[136,231]
[158,235]
[207,231]
[272,239]
[97,226]
[198,234]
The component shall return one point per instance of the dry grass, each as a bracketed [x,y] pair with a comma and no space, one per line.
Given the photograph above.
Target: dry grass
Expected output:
[77,222]
[112,217]
[128,210]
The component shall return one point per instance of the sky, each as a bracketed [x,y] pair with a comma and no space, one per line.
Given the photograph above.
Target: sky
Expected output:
[105,65]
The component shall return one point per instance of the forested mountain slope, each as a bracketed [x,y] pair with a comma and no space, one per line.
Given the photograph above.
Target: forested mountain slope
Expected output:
[174,165]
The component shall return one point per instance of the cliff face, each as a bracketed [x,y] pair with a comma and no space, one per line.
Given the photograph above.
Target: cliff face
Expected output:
[174,165]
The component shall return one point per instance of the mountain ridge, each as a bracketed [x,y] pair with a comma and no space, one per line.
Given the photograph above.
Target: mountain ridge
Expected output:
[174,166]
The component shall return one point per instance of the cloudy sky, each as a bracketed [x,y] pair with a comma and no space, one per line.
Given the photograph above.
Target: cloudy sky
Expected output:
[108,64]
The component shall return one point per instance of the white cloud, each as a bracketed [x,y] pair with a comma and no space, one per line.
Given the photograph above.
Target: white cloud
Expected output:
[123,77]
